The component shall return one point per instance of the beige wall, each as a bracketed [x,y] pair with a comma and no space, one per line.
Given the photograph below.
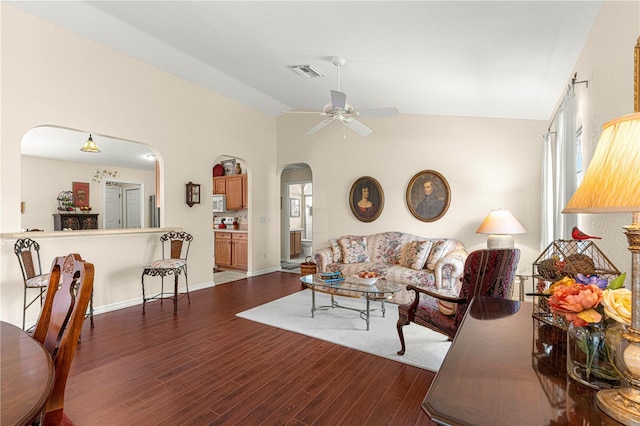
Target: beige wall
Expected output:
[489,164]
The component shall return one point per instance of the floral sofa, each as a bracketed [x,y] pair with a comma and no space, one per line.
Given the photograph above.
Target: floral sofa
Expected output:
[397,256]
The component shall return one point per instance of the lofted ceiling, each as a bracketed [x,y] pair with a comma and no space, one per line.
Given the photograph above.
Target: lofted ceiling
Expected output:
[507,59]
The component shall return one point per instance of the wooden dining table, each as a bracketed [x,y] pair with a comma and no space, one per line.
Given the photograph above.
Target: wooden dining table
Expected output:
[27,375]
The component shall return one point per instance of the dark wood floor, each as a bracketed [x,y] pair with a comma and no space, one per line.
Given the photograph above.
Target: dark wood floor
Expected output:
[207,366]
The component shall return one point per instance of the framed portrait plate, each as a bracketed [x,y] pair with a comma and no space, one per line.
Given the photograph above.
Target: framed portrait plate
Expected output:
[229,166]
[428,196]
[366,199]
[80,194]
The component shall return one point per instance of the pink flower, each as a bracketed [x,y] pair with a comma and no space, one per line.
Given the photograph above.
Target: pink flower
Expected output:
[575,301]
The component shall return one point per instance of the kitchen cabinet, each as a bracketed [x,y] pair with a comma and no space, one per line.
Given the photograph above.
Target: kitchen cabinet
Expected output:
[295,243]
[75,221]
[231,249]
[235,188]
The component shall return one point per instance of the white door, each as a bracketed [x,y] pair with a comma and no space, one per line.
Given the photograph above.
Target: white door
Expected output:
[133,207]
[113,208]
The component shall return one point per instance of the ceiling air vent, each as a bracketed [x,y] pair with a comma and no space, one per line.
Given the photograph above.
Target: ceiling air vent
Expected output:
[307,70]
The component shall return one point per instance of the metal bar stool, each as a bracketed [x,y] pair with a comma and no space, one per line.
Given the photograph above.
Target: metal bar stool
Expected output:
[175,249]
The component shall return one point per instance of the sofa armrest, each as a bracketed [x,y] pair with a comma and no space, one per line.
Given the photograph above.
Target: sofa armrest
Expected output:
[322,257]
[454,261]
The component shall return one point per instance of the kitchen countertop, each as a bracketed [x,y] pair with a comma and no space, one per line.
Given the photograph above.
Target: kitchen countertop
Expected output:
[241,230]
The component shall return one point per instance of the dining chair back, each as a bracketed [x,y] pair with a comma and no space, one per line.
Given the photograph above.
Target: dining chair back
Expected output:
[60,323]
[28,254]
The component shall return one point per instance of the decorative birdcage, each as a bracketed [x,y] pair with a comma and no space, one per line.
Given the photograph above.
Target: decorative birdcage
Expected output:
[65,200]
[566,258]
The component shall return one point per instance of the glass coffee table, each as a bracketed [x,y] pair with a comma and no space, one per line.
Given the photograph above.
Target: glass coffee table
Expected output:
[378,292]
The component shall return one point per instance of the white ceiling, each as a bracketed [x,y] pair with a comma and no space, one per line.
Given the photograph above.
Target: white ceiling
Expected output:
[509,59]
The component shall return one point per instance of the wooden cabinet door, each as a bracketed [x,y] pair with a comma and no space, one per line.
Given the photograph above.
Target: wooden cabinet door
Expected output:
[223,248]
[220,185]
[240,248]
[235,198]
[297,242]
[245,191]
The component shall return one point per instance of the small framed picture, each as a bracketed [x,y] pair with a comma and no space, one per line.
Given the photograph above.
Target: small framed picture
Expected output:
[428,196]
[80,194]
[294,207]
[229,167]
[366,199]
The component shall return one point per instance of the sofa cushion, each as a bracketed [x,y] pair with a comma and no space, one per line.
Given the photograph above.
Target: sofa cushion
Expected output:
[414,254]
[386,246]
[354,249]
[438,251]
[336,249]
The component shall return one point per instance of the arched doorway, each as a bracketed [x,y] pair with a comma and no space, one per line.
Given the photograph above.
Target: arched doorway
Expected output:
[297,215]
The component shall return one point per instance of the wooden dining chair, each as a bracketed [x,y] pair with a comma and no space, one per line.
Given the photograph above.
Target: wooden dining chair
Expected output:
[60,323]
[486,273]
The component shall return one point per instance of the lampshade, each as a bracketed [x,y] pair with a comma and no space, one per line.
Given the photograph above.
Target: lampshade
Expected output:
[500,224]
[612,181]
[612,184]
[90,146]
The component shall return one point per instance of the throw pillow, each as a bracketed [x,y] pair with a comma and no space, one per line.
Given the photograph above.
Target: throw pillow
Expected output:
[438,251]
[414,254]
[336,249]
[447,308]
[354,249]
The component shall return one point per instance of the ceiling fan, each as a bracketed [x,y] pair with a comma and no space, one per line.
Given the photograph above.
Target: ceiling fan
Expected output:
[339,110]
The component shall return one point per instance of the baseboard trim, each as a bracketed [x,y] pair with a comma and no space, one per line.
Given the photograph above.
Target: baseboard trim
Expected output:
[138,300]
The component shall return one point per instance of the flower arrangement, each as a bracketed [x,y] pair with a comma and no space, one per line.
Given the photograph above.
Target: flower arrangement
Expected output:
[587,302]
[585,299]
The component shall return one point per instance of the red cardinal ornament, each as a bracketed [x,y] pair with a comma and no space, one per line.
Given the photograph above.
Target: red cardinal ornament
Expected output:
[577,234]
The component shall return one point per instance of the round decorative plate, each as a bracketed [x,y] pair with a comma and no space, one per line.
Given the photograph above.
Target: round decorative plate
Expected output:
[218,170]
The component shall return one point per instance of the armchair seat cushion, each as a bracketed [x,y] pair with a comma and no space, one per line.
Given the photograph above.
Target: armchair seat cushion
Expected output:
[428,315]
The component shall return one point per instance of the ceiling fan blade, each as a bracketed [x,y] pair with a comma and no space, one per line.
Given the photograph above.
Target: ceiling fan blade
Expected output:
[379,112]
[318,126]
[338,99]
[301,112]
[357,126]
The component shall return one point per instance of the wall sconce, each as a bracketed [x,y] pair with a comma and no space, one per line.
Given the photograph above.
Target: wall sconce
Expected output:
[193,194]
[500,224]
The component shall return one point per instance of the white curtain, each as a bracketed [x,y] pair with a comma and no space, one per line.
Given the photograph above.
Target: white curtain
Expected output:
[546,202]
[559,178]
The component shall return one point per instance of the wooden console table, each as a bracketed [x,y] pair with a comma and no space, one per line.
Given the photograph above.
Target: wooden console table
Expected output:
[507,368]
[75,221]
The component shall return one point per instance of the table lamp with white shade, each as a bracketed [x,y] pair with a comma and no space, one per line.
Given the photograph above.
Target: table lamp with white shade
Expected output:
[500,224]
[612,185]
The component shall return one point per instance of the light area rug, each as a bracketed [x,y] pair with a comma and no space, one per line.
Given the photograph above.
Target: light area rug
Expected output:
[425,348]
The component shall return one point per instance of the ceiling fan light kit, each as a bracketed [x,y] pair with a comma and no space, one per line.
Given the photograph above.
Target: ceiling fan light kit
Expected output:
[340,110]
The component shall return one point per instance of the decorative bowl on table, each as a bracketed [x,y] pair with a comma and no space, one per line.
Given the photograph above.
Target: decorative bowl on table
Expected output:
[367,278]
[366,281]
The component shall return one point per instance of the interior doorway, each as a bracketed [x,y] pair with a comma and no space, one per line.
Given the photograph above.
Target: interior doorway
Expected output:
[296,215]
[123,206]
